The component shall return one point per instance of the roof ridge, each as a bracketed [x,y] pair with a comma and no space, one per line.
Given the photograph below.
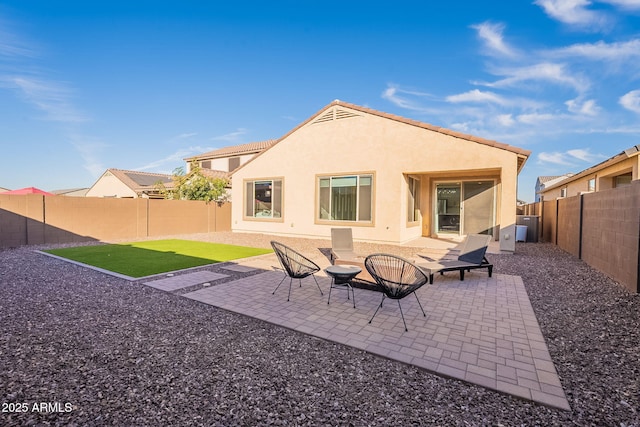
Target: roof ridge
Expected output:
[236,149]
[138,172]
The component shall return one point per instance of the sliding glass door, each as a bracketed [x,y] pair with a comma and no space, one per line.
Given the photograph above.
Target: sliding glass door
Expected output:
[466,207]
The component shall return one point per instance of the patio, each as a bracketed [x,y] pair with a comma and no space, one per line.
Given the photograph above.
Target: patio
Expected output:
[482,330]
[123,353]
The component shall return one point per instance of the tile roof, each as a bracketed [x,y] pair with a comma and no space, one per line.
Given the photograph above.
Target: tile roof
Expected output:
[213,173]
[545,179]
[235,150]
[141,181]
[522,154]
[628,153]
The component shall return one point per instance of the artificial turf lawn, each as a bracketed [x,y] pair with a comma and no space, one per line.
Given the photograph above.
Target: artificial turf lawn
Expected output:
[155,256]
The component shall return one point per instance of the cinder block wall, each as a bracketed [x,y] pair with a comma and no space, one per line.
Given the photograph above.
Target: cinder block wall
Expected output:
[568,227]
[549,219]
[36,219]
[610,233]
[605,233]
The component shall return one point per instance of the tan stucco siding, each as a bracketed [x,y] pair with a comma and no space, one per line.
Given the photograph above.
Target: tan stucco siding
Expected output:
[110,186]
[365,144]
[604,179]
[222,164]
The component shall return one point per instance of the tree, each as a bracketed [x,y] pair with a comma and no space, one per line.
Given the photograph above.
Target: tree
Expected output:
[195,185]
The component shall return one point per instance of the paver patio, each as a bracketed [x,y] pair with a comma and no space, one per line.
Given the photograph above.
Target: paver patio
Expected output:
[482,330]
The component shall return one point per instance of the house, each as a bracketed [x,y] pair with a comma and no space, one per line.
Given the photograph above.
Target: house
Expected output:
[547,181]
[390,178]
[614,172]
[225,160]
[28,190]
[71,192]
[129,184]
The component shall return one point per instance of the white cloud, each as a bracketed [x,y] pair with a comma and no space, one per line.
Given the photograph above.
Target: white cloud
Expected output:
[545,72]
[11,46]
[555,158]
[535,118]
[90,151]
[491,35]
[505,120]
[172,159]
[52,98]
[585,155]
[476,95]
[231,137]
[569,157]
[631,101]
[400,97]
[587,108]
[574,12]
[601,51]
[624,4]
[186,135]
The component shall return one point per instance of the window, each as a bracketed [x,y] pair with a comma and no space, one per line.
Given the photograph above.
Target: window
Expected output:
[622,180]
[563,192]
[591,185]
[234,162]
[263,198]
[205,164]
[346,198]
[413,202]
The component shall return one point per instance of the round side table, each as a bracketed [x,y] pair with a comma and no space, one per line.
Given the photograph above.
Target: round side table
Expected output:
[341,277]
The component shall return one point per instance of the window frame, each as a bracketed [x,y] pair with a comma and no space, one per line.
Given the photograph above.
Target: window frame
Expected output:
[245,195]
[414,215]
[357,222]
[617,182]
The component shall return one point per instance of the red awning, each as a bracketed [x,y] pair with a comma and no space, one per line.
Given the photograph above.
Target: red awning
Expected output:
[29,190]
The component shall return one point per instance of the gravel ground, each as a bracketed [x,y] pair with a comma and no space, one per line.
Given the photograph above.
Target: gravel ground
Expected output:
[97,350]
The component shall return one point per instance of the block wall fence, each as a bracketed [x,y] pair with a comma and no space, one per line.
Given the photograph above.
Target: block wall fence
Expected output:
[601,228]
[34,219]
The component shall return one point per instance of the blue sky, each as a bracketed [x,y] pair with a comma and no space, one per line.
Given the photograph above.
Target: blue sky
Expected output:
[140,85]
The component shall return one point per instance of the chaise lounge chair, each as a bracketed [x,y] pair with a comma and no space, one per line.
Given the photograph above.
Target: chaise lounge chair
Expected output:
[342,244]
[342,252]
[472,256]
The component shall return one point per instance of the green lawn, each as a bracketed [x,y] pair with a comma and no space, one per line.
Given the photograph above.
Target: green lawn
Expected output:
[156,256]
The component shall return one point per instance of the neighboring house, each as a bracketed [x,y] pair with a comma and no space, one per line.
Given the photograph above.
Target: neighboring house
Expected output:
[225,160]
[616,171]
[71,192]
[547,181]
[2,189]
[28,190]
[390,178]
[129,184]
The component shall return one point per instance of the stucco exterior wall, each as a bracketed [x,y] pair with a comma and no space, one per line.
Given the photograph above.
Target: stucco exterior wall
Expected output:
[604,179]
[110,186]
[222,164]
[389,150]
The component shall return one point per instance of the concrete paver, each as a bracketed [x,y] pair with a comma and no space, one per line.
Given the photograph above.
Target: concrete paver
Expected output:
[481,330]
[171,283]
